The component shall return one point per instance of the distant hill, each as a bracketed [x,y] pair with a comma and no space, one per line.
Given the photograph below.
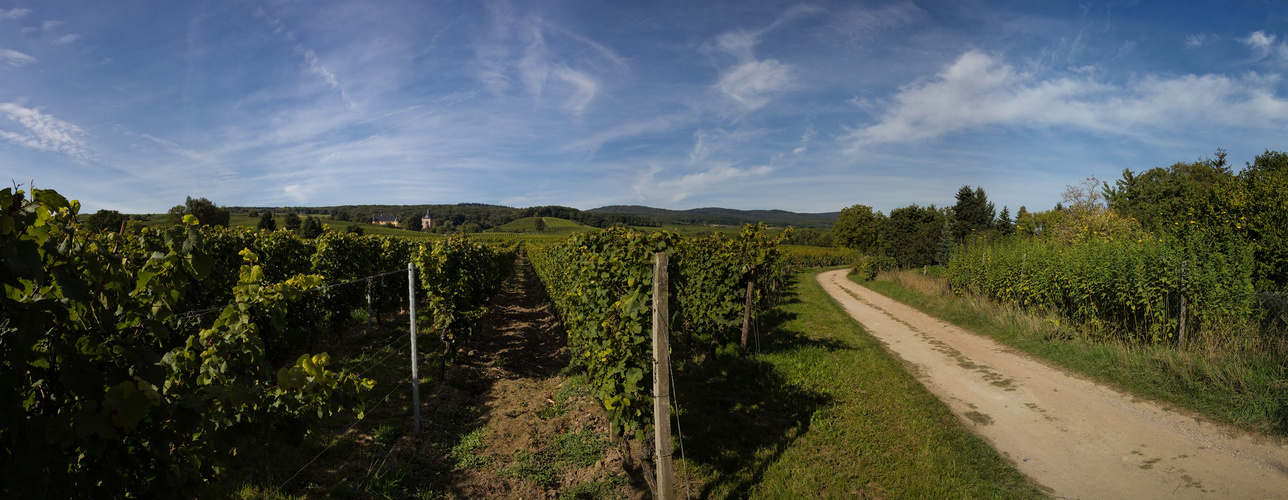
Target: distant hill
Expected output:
[723,216]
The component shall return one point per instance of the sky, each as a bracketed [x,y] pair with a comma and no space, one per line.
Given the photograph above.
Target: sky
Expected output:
[801,106]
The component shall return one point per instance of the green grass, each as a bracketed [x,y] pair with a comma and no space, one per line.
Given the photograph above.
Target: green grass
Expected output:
[1248,390]
[824,411]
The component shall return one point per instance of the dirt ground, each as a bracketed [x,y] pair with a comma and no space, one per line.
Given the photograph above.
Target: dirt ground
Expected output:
[542,434]
[1075,438]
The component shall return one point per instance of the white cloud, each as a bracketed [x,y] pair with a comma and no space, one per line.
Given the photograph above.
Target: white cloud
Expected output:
[754,82]
[14,13]
[298,192]
[1196,41]
[978,91]
[14,59]
[66,39]
[584,89]
[1265,44]
[42,132]
[48,25]
[677,189]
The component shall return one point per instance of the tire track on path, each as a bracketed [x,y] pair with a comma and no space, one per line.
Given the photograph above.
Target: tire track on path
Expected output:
[1075,438]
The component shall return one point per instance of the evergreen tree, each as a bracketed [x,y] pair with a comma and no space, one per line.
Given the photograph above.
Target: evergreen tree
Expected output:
[266,221]
[1004,224]
[972,213]
[311,228]
[292,221]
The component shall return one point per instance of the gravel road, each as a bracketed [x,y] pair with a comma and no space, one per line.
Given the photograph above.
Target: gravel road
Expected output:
[1075,438]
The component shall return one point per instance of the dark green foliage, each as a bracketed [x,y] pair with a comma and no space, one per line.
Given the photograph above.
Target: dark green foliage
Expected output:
[204,210]
[106,389]
[1163,197]
[539,224]
[858,227]
[601,284]
[973,213]
[291,221]
[267,222]
[410,222]
[911,234]
[311,228]
[1004,224]
[105,220]
[809,236]
[354,229]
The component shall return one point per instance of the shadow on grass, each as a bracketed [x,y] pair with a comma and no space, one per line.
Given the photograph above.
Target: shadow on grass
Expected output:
[738,417]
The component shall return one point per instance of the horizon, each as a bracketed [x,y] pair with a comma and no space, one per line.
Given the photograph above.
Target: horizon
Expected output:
[804,107]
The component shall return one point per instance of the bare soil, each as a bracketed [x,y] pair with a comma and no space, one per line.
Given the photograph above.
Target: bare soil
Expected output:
[1075,438]
[512,371]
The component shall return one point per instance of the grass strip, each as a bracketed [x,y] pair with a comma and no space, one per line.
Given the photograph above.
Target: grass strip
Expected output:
[825,411]
[1247,390]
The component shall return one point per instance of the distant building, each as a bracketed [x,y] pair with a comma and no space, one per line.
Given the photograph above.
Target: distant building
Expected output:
[383,219]
[426,221]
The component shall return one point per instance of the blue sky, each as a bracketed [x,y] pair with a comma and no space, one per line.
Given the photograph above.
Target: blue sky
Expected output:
[811,107]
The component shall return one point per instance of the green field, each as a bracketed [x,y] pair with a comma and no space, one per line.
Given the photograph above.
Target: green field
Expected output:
[554,225]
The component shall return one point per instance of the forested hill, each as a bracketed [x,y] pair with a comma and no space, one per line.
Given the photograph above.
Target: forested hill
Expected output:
[723,216]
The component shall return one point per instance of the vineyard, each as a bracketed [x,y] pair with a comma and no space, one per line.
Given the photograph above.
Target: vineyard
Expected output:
[601,285]
[139,365]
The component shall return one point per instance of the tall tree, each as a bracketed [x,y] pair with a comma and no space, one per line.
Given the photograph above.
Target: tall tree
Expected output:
[266,221]
[291,221]
[1004,224]
[911,234]
[973,213]
[207,213]
[106,220]
[858,227]
[311,228]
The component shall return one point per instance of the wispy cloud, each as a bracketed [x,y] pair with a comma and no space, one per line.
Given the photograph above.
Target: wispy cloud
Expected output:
[69,38]
[677,189]
[978,90]
[316,65]
[14,59]
[752,84]
[1265,44]
[14,13]
[42,132]
[1194,41]
[859,25]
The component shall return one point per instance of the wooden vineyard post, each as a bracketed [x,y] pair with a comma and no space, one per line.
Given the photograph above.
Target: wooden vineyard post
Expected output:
[415,370]
[368,303]
[661,369]
[746,317]
[1184,270]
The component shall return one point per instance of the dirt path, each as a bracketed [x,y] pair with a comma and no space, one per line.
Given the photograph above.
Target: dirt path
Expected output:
[540,434]
[1075,438]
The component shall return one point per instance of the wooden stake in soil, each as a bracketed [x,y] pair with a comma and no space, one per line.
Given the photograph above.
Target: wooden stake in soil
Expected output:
[661,368]
[415,370]
[1184,270]
[746,317]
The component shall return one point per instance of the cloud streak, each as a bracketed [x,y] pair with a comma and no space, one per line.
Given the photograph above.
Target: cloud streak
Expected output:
[42,132]
[14,59]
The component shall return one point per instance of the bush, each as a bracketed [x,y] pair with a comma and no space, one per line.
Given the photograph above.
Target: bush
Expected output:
[867,266]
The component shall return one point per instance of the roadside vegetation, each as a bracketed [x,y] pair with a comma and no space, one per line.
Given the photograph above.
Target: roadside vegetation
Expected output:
[1170,283]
